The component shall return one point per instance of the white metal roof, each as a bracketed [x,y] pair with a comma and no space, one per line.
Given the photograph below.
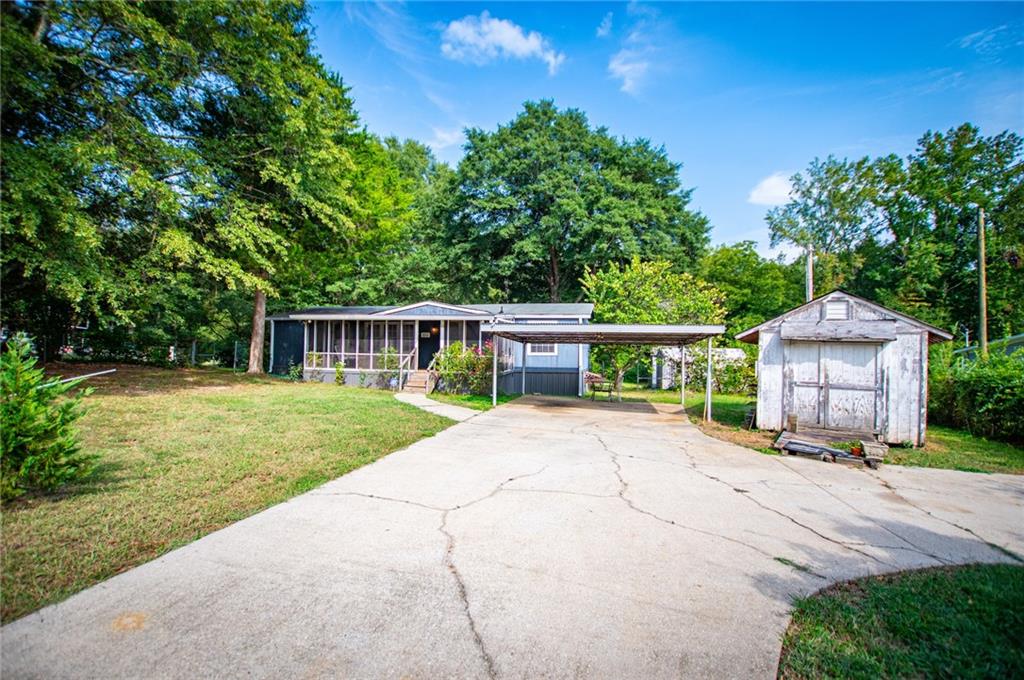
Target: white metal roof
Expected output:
[604,333]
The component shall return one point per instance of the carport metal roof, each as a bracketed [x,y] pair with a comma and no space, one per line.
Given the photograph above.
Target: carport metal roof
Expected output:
[604,333]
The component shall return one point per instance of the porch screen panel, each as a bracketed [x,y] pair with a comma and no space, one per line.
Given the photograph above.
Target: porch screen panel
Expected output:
[350,344]
[408,336]
[363,359]
[392,340]
[455,332]
[472,334]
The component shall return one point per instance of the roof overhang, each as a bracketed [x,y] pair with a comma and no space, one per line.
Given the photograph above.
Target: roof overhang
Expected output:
[604,333]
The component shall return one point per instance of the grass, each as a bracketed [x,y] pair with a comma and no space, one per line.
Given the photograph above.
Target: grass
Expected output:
[477,402]
[945,447]
[954,622]
[183,453]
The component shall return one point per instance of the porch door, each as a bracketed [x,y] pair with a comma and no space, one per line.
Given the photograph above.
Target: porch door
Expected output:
[430,342]
[852,384]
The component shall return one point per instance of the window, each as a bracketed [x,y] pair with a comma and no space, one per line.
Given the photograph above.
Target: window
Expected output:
[838,310]
[541,348]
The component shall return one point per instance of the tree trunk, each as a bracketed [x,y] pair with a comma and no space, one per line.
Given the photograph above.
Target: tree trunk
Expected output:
[554,276]
[620,375]
[259,318]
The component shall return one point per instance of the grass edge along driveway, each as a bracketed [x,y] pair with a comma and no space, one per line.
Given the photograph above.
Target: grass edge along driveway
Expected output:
[960,622]
[183,453]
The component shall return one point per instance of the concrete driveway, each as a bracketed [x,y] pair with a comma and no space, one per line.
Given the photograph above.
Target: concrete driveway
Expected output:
[544,538]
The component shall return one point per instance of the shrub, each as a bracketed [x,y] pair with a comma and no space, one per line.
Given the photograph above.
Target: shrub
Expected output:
[40,449]
[465,370]
[983,396]
[387,362]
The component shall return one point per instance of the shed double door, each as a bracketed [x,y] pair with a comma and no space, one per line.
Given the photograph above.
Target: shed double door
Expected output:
[834,384]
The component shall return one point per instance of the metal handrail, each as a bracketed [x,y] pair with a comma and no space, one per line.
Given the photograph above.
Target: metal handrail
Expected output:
[404,371]
[432,375]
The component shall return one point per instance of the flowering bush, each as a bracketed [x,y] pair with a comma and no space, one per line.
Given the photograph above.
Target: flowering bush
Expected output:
[464,369]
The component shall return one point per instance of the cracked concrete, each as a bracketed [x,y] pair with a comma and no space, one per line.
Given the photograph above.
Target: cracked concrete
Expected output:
[547,537]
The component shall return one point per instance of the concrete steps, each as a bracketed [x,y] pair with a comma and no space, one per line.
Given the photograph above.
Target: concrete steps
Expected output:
[416,382]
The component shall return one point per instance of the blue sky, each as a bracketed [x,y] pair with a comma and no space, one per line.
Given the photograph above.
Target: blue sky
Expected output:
[742,94]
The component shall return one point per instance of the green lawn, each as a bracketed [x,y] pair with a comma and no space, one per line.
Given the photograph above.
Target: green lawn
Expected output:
[950,622]
[477,402]
[953,449]
[183,453]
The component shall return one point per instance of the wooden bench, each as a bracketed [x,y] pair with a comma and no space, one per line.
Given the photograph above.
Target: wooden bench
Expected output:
[596,382]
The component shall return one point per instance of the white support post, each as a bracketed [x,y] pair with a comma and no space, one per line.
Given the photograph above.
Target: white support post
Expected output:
[579,369]
[305,342]
[682,370]
[314,343]
[707,386]
[371,345]
[329,333]
[343,345]
[682,377]
[494,373]
[357,344]
[401,348]
[522,371]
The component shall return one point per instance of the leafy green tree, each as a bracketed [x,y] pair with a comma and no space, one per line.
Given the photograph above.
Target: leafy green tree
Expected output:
[649,293]
[39,448]
[755,289]
[546,198]
[830,210]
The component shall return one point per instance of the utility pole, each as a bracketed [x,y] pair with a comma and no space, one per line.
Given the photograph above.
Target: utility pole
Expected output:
[810,272]
[982,287]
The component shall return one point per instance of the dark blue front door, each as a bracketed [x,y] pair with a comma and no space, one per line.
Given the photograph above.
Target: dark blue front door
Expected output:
[430,341]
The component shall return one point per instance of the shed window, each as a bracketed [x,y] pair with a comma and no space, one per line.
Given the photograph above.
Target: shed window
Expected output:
[838,310]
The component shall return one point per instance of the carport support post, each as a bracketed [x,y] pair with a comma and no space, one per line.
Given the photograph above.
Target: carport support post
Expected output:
[707,386]
[682,376]
[494,374]
[522,371]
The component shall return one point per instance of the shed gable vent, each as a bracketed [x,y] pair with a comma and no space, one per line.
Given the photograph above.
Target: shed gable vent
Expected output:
[837,310]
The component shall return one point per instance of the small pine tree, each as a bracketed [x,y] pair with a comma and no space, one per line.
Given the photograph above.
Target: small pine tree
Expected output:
[39,447]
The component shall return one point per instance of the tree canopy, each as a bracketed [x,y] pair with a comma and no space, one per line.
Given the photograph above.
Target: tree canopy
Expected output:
[546,198]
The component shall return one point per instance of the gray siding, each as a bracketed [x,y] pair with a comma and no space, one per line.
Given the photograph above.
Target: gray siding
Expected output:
[560,382]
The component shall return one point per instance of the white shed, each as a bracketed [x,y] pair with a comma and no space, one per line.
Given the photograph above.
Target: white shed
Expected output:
[842,362]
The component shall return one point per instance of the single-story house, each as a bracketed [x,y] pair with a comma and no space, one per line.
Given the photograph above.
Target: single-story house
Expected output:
[324,340]
[843,362]
[665,363]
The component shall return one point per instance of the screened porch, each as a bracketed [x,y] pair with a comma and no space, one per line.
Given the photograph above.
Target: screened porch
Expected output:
[369,345]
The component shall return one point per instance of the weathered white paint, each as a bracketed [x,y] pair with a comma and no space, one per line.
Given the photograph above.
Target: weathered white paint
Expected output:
[847,379]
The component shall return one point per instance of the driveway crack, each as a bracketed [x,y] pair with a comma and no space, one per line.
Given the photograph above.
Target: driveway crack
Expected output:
[914,546]
[995,546]
[750,497]
[464,596]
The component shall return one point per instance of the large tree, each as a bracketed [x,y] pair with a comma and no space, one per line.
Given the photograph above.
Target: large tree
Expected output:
[547,198]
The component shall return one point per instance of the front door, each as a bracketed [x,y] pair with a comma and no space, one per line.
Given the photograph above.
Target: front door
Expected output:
[851,385]
[430,341]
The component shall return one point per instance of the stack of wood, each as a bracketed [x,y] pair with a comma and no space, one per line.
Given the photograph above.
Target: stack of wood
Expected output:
[818,443]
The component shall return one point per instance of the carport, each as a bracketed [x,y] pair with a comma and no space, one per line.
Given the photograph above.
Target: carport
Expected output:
[609,334]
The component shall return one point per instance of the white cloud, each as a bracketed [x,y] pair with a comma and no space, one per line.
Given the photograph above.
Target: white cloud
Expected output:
[605,28]
[445,138]
[772,190]
[479,40]
[645,50]
[991,41]
[630,67]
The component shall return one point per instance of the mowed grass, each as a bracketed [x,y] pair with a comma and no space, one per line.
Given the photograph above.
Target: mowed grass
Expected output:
[477,402]
[953,449]
[950,622]
[182,453]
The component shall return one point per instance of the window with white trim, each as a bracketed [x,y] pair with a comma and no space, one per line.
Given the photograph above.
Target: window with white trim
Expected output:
[541,348]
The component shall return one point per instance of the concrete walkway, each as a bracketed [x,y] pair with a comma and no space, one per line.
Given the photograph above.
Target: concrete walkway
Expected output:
[456,413]
[542,538]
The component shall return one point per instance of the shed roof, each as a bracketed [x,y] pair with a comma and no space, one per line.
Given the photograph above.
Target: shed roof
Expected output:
[935,334]
[604,333]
